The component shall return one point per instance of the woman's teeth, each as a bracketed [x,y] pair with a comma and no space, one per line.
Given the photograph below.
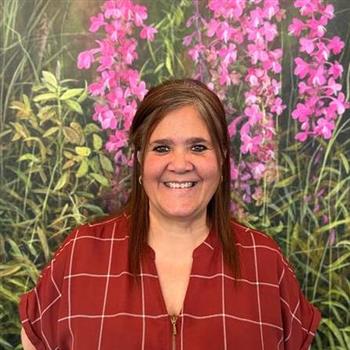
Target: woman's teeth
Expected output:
[179,184]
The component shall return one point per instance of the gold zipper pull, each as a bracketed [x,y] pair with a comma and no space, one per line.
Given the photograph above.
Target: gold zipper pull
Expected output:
[173,322]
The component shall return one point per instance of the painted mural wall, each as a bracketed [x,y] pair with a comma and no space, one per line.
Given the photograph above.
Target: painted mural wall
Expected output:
[72,73]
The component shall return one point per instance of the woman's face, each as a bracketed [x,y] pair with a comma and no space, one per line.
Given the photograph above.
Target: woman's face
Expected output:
[181,170]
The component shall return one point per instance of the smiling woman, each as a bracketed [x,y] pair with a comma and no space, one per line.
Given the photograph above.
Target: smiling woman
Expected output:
[172,270]
[180,175]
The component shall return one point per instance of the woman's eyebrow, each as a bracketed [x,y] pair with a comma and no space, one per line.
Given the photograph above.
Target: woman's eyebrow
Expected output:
[189,141]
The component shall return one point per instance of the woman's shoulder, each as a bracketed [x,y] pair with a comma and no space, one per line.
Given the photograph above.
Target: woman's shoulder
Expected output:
[90,234]
[251,237]
[105,227]
[116,225]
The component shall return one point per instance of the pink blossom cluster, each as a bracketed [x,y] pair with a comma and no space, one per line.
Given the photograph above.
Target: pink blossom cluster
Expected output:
[320,100]
[236,47]
[118,86]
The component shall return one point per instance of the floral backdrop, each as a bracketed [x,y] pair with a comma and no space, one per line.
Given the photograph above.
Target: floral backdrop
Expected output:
[73,73]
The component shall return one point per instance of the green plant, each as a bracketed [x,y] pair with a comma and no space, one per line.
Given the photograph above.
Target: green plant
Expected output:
[55,164]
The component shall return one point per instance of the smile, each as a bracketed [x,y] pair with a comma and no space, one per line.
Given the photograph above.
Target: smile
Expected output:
[180,185]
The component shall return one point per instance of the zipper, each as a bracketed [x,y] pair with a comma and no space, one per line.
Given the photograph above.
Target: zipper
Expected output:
[173,320]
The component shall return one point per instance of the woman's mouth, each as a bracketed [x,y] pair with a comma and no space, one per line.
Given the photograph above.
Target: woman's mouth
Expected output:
[180,185]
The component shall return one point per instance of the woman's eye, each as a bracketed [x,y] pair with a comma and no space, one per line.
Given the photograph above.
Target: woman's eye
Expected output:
[161,149]
[199,148]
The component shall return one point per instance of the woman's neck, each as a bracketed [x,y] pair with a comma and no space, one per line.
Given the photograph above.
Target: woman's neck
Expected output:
[176,236]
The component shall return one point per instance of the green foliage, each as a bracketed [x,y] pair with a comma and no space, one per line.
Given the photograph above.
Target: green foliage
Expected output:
[55,167]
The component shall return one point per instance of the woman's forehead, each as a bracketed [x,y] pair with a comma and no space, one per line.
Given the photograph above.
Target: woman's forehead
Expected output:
[184,122]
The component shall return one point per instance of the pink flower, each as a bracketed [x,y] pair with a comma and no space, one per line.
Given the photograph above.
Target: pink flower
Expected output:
[212,27]
[336,45]
[318,76]
[324,128]
[307,7]
[250,98]
[323,52]
[333,87]
[229,54]
[317,27]
[296,27]
[116,97]
[85,59]
[140,14]
[303,88]
[96,23]
[336,70]
[140,90]
[257,53]
[187,40]
[270,31]
[196,51]
[302,68]
[108,120]
[232,127]
[278,106]
[116,141]
[301,113]
[97,88]
[148,32]
[250,144]
[328,11]
[339,103]
[258,170]
[254,114]
[224,32]
[307,45]
[302,136]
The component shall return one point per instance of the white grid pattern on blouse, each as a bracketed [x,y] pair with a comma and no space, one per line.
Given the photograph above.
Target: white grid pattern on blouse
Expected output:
[143,275]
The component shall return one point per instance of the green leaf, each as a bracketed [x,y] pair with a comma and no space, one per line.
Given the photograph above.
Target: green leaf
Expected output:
[63,180]
[106,163]
[28,156]
[71,135]
[97,142]
[50,78]
[345,162]
[45,97]
[68,164]
[9,270]
[83,96]
[168,65]
[44,244]
[83,168]
[286,182]
[83,151]
[71,93]
[77,127]
[90,128]
[50,131]
[74,106]
[100,179]
[21,129]
[69,155]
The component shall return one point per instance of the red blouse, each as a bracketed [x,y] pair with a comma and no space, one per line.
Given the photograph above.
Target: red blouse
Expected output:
[86,299]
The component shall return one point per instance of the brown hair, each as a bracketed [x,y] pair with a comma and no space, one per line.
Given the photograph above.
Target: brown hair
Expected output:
[158,102]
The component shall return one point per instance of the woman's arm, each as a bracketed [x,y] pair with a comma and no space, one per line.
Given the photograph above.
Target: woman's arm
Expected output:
[27,345]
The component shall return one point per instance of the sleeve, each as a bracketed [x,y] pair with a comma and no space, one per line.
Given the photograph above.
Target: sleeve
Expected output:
[39,308]
[299,317]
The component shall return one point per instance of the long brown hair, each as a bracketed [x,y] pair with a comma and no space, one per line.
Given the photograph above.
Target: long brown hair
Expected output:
[158,102]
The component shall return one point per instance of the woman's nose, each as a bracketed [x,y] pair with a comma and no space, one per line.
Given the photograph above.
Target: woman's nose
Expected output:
[180,161]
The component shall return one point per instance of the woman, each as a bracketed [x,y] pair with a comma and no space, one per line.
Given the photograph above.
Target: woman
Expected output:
[173,270]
